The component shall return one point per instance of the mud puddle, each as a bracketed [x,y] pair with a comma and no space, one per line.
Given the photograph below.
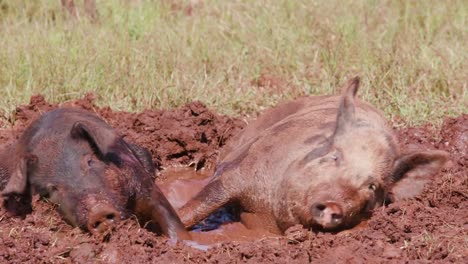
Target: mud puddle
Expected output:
[180,184]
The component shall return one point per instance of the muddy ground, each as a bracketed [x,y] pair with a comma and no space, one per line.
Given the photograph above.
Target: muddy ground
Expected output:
[432,227]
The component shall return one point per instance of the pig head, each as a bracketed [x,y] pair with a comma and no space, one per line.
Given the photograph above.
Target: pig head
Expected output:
[324,162]
[77,161]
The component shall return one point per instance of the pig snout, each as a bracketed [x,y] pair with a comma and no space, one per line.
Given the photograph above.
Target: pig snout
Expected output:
[102,218]
[327,214]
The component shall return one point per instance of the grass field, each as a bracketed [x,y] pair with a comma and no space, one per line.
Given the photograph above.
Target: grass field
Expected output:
[239,56]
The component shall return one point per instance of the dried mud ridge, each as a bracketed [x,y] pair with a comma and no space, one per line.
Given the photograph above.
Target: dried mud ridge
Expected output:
[433,227]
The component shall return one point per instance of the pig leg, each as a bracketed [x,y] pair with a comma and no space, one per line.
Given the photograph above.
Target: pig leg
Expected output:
[18,204]
[90,9]
[69,5]
[210,198]
[161,212]
[17,193]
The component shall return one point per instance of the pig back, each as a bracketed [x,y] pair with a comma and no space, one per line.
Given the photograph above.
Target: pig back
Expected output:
[266,148]
[266,119]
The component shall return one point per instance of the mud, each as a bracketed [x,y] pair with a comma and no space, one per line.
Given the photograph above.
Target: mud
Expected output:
[432,227]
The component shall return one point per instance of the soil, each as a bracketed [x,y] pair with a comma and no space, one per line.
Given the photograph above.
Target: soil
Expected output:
[431,227]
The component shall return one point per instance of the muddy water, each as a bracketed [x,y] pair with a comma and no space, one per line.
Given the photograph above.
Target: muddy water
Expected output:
[181,184]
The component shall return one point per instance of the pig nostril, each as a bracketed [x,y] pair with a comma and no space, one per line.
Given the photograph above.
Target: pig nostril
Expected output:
[110,216]
[320,207]
[327,214]
[96,224]
[102,217]
[318,210]
[336,217]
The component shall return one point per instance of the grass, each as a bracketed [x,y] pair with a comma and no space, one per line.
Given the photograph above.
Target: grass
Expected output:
[411,55]
[429,246]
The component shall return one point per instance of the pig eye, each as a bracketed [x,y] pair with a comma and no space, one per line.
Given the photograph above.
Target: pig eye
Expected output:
[90,162]
[333,157]
[372,187]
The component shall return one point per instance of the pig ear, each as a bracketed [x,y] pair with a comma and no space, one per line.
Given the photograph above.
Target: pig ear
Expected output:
[412,171]
[144,156]
[17,184]
[346,110]
[99,138]
[162,213]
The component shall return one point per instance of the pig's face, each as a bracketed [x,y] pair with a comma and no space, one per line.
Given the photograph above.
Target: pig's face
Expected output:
[353,171]
[344,182]
[88,187]
[91,182]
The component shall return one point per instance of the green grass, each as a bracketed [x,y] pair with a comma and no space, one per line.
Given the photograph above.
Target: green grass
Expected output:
[429,246]
[411,55]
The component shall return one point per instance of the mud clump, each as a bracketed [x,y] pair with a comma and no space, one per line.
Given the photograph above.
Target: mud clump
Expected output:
[432,227]
[190,135]
[454,138]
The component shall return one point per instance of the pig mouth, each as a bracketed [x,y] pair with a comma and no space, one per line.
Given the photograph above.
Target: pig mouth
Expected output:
[335,228]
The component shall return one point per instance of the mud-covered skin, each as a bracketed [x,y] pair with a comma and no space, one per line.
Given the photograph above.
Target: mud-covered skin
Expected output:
[324,162]
[74,159]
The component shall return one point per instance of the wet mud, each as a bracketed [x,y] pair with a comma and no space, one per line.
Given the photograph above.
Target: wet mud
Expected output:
[184,144]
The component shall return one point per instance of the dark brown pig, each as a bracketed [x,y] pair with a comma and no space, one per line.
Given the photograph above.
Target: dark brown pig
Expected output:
[77,161]
[324,162]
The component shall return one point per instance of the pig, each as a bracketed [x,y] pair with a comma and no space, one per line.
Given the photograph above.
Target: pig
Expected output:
[89,6]
[324,162]
[74,159]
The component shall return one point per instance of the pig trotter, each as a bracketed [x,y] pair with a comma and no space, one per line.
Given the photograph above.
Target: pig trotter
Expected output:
[212,197]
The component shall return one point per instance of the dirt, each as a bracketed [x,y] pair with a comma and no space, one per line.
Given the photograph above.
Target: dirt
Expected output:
[431,228]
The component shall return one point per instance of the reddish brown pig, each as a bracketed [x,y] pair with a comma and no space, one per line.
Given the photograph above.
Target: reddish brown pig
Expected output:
[89,6]
[324,162]
[76,160]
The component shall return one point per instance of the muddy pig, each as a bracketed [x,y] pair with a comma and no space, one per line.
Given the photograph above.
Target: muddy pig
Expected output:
[77,161]
[324,162]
